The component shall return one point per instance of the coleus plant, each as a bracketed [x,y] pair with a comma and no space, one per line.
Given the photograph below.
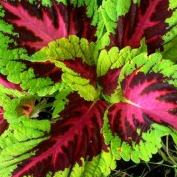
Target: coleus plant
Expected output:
[84,84]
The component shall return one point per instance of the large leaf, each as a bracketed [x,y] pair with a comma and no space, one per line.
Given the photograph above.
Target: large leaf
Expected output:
[36,27]
[150,99]
[75,57]
[145,94]
[76,135]
[148,95]
[131,21]
[22,28]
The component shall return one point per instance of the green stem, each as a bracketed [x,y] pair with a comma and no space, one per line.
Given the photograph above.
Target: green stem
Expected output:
[40,107]
[173,162]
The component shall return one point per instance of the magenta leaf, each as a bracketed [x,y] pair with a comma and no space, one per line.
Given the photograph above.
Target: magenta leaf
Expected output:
[39,26]
[150,98]
[7,84]
[76,135]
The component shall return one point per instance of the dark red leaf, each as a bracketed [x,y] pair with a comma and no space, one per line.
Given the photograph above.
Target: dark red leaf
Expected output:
[3,123]
[39,26]
[109,81]
[84,70]
[144,20]
[45,69]
[76,135]
[150,99]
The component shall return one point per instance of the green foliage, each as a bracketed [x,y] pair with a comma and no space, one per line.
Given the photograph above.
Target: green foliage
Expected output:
[91,6]
[141,151]
[169,38]
[25,132]
[61,101]
[28,80]
[22,135]
[114,59]
[100,166]
[66,49]
[69,49]
[109,12]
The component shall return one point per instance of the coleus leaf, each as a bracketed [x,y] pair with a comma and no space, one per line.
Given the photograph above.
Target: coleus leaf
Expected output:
[8,91]
[75,136]
[147,146]
[143,81]
[18,140]
[33,31]
[148,96]
[145,93]
[75,57]
[58,20]
[131,21]
[36,27]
